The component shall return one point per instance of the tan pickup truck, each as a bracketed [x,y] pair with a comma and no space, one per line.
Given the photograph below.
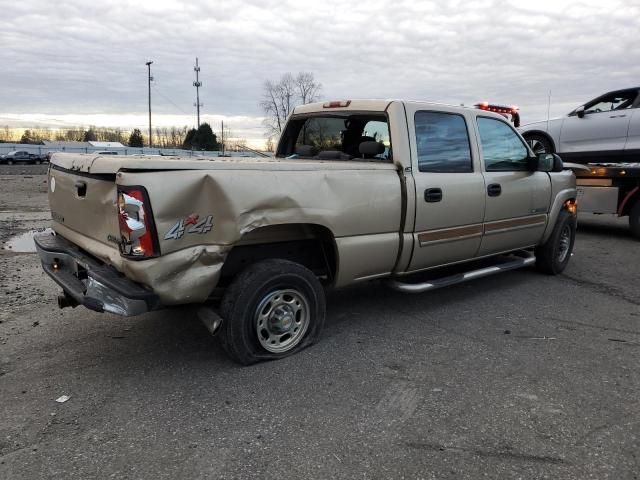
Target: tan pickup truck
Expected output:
[419,194]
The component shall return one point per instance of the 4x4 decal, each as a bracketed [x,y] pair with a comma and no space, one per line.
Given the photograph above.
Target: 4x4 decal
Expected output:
[194,224]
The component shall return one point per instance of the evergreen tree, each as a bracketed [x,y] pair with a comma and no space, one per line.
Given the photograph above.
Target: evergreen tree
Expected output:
[135,139]
[205,139]
[188,140]
[27,137]
[90,135]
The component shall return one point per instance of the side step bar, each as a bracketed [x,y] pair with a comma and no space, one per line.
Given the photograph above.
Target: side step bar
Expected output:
[519,260]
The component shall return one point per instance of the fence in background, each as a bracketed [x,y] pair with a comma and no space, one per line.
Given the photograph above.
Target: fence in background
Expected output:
[43,149]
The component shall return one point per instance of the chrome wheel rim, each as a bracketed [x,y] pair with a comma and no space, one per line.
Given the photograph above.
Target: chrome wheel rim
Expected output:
[282,319]
[565,243]
[537,146]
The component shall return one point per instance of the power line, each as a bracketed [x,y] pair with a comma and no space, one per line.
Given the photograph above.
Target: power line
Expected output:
[169,100]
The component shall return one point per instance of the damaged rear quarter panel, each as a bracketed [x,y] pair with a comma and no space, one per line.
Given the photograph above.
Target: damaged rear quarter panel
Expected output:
[350,199]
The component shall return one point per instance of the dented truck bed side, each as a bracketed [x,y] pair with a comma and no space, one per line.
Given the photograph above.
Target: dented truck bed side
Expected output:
[337,197]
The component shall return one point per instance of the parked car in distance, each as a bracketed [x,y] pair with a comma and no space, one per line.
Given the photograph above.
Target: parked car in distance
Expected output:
[605,129]
[106,152]
[21,156]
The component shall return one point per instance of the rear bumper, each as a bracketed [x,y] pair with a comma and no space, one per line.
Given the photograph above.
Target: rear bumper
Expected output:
[90,282]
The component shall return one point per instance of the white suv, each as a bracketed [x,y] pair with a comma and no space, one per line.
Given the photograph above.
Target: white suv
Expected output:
[606,129]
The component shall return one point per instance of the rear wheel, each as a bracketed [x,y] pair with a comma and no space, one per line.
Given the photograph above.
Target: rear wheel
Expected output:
[271,310]
[539,143]
[634,219]
[553,256]
[9,162]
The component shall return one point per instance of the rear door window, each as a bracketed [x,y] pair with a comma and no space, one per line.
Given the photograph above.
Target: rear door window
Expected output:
[442,141]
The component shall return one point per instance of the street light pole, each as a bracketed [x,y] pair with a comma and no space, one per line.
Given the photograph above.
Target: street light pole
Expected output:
[148,64]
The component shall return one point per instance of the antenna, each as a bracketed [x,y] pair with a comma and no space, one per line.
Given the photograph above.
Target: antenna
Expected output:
[197,84]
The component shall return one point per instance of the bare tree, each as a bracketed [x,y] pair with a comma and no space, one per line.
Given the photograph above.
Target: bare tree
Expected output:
[281,97]
[269,146]
[307,87]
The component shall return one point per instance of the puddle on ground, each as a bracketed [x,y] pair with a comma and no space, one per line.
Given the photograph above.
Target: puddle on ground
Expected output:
[23,243]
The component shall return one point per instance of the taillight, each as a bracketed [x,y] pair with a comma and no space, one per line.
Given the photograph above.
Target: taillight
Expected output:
[138,237]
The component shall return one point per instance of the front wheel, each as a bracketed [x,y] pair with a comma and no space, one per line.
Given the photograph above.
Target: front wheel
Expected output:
[553,256]
[271,310]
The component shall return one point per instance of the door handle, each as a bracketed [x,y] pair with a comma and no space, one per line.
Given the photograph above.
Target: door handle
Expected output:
[494,190]
[81,188]
[432,195]
[617,116]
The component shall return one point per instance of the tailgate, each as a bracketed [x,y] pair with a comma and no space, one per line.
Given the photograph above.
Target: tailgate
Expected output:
[85,203]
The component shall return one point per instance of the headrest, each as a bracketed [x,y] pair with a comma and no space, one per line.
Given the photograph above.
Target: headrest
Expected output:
[305,150]
[371,148]
[330,155]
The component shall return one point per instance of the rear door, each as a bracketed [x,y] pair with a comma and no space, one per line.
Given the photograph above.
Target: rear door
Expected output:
[633,135]
[517,199]
[449,187]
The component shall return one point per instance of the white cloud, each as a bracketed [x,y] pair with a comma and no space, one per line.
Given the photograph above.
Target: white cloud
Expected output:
[79,58]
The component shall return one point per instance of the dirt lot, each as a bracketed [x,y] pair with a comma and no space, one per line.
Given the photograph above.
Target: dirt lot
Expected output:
[514,376]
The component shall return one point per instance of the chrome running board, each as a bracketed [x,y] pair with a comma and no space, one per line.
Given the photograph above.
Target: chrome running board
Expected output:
[512,262]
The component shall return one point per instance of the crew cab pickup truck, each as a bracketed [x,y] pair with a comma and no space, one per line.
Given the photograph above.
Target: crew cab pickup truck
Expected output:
[21,157]
[420,195]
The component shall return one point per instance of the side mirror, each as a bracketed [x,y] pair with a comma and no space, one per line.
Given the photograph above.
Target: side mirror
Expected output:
[548,162]
[580,111]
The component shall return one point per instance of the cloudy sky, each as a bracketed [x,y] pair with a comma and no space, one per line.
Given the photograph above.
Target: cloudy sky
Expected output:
[73,62]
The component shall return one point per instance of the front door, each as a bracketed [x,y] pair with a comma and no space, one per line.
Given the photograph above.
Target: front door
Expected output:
[449,188]
[517,199]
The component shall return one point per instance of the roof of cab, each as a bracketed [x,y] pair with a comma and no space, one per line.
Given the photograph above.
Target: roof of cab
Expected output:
[378,105]
[360,104]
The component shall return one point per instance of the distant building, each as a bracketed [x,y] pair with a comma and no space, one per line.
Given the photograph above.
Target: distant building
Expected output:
[106,144]
[82,146]
[65,145]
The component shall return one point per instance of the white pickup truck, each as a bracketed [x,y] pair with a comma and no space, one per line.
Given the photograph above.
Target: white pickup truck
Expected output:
[358,190]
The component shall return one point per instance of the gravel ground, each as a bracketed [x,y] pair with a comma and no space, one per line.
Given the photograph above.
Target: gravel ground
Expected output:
[514,376]
[23,169]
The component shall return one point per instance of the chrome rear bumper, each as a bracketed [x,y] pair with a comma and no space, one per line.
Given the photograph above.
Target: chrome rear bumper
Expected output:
[89,282]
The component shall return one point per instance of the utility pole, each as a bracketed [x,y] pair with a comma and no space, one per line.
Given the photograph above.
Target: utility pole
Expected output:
[222,136]
[148,64]
[197,84]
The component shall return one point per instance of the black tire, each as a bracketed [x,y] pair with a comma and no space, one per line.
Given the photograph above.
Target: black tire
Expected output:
[634,219]
[553,256]
[539,143]
[9,162]
[246,334]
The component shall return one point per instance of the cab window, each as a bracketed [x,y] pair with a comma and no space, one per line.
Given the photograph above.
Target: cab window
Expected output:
[337,136]
[442,142]
[502,149]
